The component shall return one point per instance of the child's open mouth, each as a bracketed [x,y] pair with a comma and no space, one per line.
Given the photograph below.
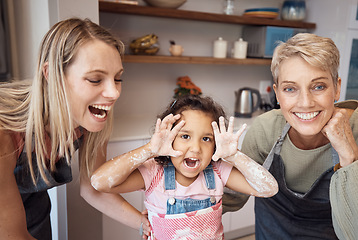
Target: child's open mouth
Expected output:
[191,162]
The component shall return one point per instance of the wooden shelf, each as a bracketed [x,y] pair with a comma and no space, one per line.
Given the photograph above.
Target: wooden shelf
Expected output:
[194,60]
[116,7]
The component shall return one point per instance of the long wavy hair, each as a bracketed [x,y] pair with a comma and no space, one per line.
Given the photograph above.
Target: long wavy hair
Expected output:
[30,107]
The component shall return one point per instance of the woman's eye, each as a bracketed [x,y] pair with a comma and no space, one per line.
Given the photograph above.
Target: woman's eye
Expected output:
[94,80]
[288,89]
[319,87]
[118,80]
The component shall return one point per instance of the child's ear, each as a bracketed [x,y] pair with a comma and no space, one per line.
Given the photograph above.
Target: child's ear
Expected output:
[45,70]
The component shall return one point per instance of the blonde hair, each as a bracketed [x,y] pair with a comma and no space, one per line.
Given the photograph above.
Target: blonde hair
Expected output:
[45,102]
[317,51]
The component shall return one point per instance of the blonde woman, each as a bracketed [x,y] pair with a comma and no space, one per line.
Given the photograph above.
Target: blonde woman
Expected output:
[309,145]
[67,106]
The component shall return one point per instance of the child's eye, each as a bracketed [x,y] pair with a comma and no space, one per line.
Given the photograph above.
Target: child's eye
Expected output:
[185,136]
[206,139]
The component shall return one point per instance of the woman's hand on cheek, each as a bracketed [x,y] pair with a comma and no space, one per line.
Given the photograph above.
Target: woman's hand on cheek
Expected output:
[339,133]
[164,135]
[226,142]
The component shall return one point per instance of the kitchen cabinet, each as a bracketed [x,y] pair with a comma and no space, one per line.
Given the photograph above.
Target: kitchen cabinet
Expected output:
[115,7]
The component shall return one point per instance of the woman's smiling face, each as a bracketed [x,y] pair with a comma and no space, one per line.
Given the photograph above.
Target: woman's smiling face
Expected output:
[94,84]
[306,95]
[196,141]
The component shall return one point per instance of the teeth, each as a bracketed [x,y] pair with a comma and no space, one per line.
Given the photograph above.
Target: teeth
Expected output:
[307,116]
[100,116]
[102,107]
[192,159]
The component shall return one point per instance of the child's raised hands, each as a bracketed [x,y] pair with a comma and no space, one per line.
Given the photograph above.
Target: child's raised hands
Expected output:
[164,135]
[226,141]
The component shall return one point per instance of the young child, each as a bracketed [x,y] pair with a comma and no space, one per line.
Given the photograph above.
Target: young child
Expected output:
[180,172]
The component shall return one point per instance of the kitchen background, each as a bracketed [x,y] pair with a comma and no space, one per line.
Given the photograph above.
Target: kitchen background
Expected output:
[148,88]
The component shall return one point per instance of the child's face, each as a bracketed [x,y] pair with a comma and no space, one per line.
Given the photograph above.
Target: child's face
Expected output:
[196,141]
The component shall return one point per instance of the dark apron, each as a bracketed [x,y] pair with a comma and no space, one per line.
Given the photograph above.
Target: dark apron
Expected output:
[35,198]
[291,215]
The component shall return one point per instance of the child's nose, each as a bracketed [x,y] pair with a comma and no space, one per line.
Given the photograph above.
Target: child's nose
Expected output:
[195,146]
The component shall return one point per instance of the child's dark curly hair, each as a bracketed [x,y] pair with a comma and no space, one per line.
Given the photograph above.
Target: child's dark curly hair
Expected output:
[192,102]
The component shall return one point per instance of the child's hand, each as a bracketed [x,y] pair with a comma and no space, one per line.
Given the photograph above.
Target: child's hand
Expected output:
[226,141]
[164,135]
[145,230]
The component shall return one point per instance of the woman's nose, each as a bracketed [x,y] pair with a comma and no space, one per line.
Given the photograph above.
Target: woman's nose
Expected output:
[112,90]
[305,99]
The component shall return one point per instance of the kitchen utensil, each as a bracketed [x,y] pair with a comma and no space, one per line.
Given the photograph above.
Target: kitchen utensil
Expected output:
[244,104]
[262,12]
[165,3]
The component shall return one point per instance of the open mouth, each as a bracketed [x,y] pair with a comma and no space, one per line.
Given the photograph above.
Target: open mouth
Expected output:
[99,111]
[191,162]
[306,116]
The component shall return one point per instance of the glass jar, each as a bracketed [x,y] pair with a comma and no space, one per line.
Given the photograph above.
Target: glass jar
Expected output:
[229,7]
[294,10]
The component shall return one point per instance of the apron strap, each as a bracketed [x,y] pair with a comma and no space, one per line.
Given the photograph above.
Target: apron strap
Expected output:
[209,177]
[169,176]
[277,147]
[335,157]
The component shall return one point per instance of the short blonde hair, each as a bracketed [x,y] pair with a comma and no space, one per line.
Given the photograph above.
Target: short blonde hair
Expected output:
[317,51]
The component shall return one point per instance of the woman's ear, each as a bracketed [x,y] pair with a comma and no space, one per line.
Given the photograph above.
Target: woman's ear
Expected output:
[275,90]
[45,70]
[338,89]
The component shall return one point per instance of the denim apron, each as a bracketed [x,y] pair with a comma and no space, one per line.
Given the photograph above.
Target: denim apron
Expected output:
[188,218]
[291,215]
[35,198]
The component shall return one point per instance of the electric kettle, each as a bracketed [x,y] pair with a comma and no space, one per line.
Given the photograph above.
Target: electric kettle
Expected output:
[244,104]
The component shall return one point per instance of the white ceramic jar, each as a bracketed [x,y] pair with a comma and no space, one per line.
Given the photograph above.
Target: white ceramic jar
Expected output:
[240,49]
[220,48]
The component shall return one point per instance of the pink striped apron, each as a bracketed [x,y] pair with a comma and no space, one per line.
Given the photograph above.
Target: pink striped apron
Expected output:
[201,224]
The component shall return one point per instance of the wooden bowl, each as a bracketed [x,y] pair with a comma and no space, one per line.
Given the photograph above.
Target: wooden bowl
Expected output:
[165,3]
